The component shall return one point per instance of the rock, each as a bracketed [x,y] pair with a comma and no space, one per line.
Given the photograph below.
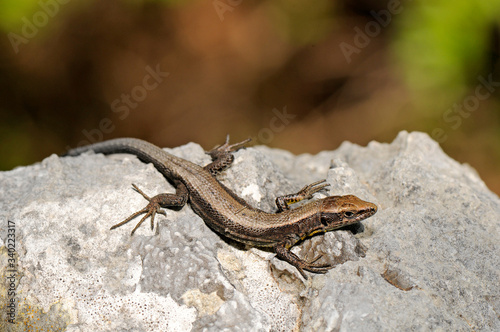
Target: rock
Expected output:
[428,260]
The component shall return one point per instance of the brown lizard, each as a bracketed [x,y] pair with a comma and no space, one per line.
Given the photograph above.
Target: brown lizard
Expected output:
[229,215]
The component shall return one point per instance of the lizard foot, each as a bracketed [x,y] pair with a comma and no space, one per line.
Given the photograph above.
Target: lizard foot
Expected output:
[285,254]
[222,157]
[227,148]
[283,202]
[153,207]
[308,191]
[315,268]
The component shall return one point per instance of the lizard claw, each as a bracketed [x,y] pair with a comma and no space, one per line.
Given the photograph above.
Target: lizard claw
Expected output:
[283,202]
[308,191]
[316,268]
[226,147]
[151,209]
[308,266]
[285,254]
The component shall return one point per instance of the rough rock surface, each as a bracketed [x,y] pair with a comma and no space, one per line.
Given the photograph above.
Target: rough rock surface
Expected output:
[428,260]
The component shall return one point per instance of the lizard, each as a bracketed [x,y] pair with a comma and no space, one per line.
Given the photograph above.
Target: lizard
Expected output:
[228,214]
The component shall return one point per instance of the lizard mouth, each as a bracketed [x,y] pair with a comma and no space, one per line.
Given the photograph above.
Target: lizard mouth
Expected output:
[370,212]
[366,213]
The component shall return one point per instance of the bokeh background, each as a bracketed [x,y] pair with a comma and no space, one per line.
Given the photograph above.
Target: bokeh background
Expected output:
[294,74]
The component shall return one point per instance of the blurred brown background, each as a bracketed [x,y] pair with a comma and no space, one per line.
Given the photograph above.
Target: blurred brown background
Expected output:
[298,75]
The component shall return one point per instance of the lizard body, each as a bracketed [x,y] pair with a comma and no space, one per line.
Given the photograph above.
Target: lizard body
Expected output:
[226,213]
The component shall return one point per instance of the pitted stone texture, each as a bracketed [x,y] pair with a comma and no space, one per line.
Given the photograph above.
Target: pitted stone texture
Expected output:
[428,260]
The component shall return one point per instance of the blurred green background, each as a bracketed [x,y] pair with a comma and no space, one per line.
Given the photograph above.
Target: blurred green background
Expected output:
[298,75]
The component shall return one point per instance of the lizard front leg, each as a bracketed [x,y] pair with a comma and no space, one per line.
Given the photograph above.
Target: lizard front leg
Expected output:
[307,192]
[222,156]
[156,204]
[283,252]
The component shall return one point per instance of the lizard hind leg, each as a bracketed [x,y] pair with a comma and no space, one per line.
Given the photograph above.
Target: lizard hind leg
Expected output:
[155,205]
[222,156]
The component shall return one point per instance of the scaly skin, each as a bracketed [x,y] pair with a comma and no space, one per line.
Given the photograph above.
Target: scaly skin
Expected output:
[226,213]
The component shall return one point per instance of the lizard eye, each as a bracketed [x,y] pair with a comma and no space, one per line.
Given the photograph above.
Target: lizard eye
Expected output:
[349,214]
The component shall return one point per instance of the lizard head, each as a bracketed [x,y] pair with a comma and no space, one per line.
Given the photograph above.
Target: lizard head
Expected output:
[339,211]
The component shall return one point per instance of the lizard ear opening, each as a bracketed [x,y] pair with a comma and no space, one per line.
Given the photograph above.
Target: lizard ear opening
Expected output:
[325,219]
